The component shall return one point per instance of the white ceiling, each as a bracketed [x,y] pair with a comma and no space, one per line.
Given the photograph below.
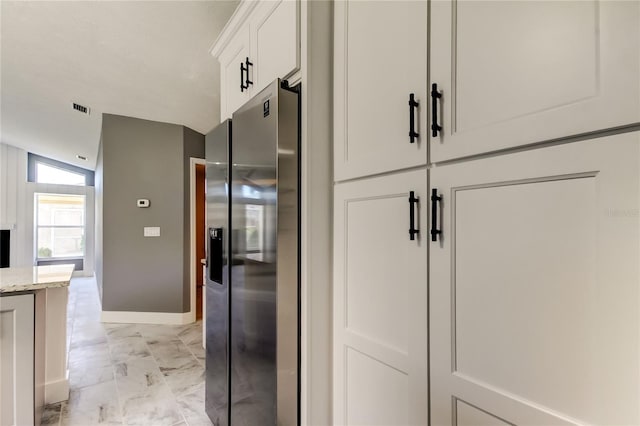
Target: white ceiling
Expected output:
[144,59]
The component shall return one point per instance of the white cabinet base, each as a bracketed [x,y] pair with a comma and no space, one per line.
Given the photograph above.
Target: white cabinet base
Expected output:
[57,373]
[57,391]
[380,302]
[16,360]
[534,287]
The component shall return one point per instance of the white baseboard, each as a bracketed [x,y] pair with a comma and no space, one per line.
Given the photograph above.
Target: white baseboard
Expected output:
[57,391]
[147,317]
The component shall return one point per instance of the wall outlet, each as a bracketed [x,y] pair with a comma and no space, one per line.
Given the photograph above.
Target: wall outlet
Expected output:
[151,231]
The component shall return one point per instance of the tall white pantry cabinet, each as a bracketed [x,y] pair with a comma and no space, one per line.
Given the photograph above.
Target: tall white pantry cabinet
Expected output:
[486,213]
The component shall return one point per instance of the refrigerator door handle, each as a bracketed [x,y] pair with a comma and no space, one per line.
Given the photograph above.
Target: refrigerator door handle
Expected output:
[215,255]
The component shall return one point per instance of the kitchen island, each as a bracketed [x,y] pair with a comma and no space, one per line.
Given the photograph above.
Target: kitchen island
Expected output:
[33,343]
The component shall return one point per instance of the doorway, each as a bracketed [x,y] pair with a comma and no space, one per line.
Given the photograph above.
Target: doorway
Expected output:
[197,240]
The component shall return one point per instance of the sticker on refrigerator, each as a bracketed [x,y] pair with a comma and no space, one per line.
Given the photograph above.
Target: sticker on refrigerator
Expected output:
[265,108]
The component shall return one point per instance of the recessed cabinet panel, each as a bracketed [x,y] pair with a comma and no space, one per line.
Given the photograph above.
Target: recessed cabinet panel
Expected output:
[515,73]
[377,395]
[380,60]
[380,301]
[275,41]
[383,318]
[232,96]
[468,415]
[535,289]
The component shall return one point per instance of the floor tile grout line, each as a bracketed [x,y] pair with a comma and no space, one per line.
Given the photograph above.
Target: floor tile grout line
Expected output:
[190,351]
[115,381]
[111,360]
[164,380]
[115,378]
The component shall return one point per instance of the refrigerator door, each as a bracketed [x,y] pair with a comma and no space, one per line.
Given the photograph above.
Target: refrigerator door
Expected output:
[265,272]
[217,274]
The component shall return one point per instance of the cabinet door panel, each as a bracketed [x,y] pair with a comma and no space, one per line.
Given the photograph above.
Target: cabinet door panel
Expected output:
[16,360]
[518,72]
[380,302]
[231,97]
[534,287]
[275,41]
[380,59]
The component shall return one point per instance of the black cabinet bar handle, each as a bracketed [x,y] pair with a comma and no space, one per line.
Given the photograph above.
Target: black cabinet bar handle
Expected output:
[413,105]
[242,86]
[435,95]
[247,81]
[435,199]
[412,201]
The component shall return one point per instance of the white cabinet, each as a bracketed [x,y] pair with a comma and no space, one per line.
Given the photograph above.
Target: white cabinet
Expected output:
[380,59]
[515,73]
[274,41]
[535,287]
[260,43]
[380,301]
[233,92]
[16,360]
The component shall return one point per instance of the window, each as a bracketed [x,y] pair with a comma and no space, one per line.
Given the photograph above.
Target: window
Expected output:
[60,226]
[50,174]
[47,170]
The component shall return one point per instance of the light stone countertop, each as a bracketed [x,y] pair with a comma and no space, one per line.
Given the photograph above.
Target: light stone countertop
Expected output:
[34,278]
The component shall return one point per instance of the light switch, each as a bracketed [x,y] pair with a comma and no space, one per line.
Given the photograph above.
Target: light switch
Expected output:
[151,231]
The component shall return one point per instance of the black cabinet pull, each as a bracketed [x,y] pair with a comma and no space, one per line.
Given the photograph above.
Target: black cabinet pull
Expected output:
[435,199]
[242,86]
[413,105]
[412,201]
[435,95]
[247,81]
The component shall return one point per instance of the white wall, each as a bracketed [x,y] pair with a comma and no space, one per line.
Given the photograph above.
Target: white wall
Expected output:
[13,194]
[17,203]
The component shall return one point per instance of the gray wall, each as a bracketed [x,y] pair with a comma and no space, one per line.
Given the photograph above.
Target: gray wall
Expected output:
[98,219]
[193,147]
[144,159]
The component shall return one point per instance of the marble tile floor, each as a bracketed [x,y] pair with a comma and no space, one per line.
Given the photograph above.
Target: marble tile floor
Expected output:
[129,374]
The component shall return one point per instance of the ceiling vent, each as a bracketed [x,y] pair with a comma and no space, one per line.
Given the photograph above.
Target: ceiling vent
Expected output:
[81,108]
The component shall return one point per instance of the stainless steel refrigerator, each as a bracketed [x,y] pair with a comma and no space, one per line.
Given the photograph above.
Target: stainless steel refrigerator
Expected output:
[253,320]
[217,151]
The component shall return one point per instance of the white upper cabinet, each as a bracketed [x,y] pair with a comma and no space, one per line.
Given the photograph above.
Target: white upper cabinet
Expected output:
[260,43]
[534,287]
[512,73]
[275,41]
[234,92]
[380,60]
